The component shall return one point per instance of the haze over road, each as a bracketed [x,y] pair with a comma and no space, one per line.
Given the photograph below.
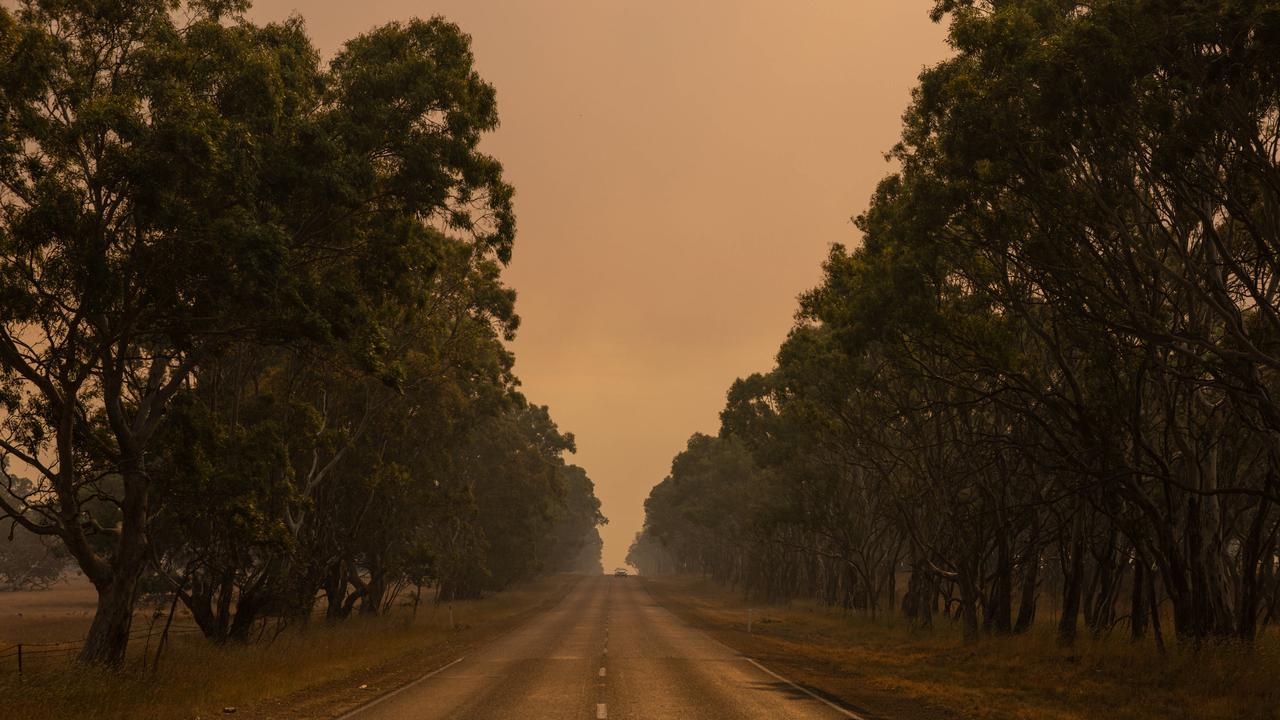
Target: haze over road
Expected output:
[608,650]
[680,169]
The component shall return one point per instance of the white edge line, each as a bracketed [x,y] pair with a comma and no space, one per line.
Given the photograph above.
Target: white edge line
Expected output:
[847,713]
[399,690]
[807,691]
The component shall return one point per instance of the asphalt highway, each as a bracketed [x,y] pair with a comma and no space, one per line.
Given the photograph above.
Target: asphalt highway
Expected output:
[606,651]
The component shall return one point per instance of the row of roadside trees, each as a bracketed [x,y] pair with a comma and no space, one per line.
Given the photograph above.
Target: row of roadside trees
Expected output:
[252,321]
[1049,373]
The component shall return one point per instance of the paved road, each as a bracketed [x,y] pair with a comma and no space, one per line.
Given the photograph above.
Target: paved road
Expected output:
[606,651]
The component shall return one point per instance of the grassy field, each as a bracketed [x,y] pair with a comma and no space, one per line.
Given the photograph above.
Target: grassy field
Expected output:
[318,671]
[888,669]
[60,613]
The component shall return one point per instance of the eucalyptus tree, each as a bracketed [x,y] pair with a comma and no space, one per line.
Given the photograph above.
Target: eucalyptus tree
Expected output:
[512,460]
[1102,175]
[355,457]
[29,562]
[649,556]
[808,424]
[1058,330]
[575,542]
[175,181]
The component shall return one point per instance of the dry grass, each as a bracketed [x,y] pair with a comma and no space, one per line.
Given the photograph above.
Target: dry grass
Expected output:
[874,663]
[320,667]
[60,613]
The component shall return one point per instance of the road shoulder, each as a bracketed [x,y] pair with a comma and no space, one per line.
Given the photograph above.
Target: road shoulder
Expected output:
[338,697]
[786,656]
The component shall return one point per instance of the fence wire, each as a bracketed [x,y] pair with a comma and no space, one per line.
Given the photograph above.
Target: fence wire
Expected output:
[13,654]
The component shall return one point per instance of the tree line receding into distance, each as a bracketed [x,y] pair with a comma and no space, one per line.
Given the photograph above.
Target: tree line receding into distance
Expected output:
[252,320]
[1049,374]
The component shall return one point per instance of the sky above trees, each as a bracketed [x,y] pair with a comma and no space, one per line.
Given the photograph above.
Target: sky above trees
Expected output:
[680,169]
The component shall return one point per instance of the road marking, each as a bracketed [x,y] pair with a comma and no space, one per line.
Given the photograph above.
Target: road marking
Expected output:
[601,672]
[602,711]
[396,692]
[807,691]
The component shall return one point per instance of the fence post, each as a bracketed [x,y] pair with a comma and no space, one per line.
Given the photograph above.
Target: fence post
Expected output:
[19,658]
[748,620]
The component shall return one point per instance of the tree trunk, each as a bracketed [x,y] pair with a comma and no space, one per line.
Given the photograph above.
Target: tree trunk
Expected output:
[1138,605]
[199,602]
[969,610]
[375,591]
[1155,614]
[1030,584]
[335,590]
[1072,585]
[1101,610]
[999,610]
[108,638]
[247,611]
[1255,551]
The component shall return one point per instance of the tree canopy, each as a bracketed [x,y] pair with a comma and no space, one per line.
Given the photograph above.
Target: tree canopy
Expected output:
[1050,365]
[250,302]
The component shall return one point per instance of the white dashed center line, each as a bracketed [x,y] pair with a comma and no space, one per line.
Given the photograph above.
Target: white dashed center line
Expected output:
[602,711]
[602,672]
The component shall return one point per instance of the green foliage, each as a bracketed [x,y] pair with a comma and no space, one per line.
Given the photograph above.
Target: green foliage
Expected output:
[1053,358]
[251,309]
[29,562]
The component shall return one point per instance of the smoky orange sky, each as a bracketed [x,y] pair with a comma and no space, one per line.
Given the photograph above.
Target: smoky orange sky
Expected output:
[681,167]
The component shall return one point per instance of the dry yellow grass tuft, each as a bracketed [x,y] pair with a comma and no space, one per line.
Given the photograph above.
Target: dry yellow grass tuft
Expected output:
[890,668]
[302,673]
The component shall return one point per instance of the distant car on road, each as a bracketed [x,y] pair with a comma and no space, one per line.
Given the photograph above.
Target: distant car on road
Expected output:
[620,572]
